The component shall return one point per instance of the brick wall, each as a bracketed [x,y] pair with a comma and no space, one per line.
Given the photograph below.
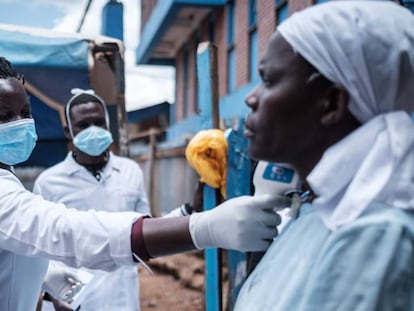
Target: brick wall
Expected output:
[298,5]
[221,42]
[266,24]
[147,6]
[241,41]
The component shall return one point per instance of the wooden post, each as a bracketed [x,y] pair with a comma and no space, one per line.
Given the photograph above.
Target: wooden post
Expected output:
[207,75]
[212,51]
[120,103]
[151,165]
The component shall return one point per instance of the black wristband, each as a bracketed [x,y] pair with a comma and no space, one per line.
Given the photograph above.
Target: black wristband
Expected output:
[186,209]
[138,242]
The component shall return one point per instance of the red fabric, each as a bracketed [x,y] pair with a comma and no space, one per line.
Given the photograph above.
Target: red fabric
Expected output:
[137,240]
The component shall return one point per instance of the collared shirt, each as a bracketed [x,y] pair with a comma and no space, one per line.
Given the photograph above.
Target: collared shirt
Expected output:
[367,265]
[33,227]
[119,188]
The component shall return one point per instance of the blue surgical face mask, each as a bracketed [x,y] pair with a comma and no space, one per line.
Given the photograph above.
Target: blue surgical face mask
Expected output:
[17,141]
[93,140]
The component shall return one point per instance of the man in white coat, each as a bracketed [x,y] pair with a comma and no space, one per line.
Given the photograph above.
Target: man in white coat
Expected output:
[92,176]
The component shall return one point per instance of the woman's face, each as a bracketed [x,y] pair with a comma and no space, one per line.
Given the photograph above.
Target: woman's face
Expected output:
[283,125]
[14,102]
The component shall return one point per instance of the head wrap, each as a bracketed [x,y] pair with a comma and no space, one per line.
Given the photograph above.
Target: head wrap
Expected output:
[368,48]
[83,96]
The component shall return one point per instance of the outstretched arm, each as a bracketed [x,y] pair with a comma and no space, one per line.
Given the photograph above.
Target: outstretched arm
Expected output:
[245,223]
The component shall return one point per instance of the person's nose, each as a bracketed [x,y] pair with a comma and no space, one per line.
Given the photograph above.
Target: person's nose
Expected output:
[252,99]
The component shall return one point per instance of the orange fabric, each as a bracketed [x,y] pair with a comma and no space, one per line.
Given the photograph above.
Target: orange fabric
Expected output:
[207,154]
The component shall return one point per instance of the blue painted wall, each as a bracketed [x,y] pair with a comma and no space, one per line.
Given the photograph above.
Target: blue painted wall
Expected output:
[113,20]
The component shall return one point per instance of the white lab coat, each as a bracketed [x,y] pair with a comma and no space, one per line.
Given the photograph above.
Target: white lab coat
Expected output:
[121,188]
[32,227]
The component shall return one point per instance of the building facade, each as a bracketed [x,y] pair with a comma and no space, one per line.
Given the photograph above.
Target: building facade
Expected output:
[172,29]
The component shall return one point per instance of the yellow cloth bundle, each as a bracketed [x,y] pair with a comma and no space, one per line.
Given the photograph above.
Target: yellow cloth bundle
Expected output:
[207,154]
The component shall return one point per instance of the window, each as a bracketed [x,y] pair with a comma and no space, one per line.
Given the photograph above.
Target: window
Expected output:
[281,10]
[253,46]
[230,22]
[252,13]
[231,57]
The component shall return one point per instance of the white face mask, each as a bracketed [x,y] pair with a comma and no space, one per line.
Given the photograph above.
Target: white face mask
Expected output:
[93,140]
[17,141]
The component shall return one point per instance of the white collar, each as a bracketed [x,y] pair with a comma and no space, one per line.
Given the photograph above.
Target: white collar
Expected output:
[72,167]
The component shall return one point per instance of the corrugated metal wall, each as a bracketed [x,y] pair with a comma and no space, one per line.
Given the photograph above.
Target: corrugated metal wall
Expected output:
[174,183]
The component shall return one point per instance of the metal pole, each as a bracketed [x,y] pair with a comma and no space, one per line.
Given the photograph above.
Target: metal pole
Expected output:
[84,15]
[120,103]
[207,74]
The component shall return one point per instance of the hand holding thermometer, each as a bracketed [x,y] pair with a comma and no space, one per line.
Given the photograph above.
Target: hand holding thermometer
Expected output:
[277,179]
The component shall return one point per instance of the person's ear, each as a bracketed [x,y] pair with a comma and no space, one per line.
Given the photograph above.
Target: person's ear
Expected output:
[334,104]
[67,132]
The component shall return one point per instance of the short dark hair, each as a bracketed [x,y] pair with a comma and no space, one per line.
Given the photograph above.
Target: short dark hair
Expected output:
[78,99]
[7,71]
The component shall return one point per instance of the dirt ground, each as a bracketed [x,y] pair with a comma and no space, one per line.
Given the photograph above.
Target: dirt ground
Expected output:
[177,283]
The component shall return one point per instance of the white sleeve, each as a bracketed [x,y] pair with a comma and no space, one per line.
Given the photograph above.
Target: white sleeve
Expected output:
[32,226]
[176,212]
[143,203]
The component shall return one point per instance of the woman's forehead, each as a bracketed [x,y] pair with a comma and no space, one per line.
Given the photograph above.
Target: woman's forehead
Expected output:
[280,54]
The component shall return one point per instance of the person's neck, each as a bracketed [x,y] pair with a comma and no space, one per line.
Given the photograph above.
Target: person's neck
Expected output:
[88,161]
[94,165]
[6,167]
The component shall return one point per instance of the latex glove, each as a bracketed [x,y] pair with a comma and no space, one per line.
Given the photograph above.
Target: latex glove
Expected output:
[246,223]
[61,283]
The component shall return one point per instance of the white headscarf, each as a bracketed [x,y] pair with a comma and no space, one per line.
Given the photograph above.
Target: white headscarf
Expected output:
[367,47]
